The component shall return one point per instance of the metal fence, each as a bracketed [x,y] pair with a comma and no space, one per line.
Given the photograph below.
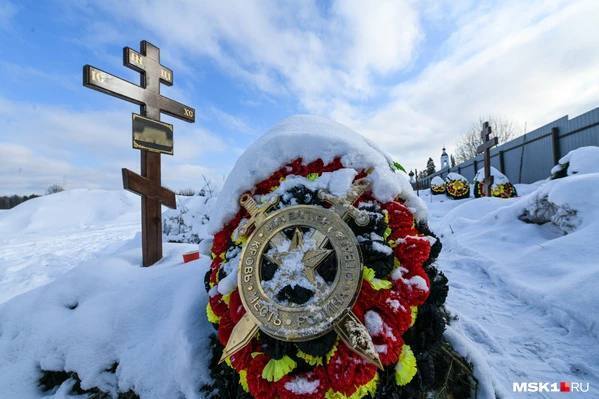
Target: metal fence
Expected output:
[530,157]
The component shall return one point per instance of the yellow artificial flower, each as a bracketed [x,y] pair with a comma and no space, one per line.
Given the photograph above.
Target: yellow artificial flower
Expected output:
[276,369]
[405,369]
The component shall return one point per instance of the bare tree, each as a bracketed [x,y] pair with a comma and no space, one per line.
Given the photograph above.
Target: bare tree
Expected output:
[207,190]
[54,188]
[465,150]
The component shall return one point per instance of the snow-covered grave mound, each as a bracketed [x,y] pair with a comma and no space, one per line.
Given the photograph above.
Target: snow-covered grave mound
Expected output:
[71,210]
[523,278]
[501,187]
[118,326]
[45,237]
[498,177]
[579,161]
[437,185]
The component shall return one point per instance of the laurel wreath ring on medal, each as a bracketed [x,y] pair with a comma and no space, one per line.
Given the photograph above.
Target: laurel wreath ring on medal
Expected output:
[317,233]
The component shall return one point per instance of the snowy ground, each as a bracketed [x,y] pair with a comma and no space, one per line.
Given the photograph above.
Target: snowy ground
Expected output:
[525,294]
[43,238]
[87,304]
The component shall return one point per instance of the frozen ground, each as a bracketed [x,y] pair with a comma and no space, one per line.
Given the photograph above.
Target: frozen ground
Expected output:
[525,294]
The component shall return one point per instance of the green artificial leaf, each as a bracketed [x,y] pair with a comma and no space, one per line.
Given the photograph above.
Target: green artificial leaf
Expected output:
[398,166]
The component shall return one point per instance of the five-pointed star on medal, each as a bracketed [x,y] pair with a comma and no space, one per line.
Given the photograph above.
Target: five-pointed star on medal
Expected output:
[311,259]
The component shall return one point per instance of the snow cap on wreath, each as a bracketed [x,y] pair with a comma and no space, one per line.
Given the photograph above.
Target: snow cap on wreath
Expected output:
[437,185]
[312,138]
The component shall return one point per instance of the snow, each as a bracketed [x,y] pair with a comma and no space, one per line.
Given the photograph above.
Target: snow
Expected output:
[311,138]
[525,294]
[71,210]
[301,386]
[148,320]
[373,322]
[437,181]
[45,237]
[336,183]
[582,160]
[455,176]
[188,222]
[86,303]
[499,178]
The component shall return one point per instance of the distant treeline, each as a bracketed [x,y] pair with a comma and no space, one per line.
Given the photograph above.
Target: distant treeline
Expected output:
[7,202]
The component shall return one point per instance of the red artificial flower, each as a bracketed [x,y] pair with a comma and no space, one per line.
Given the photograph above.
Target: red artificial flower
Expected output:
[367,299]
[295,167]
[315,166]
[347,371]
[225,326]
[259,387]
[395,314]
[388,347]
[399,215]
[309,385]
[241,359]
[332,166]
[412,251]
[411,288]
[397,233]
[221,241]
[395,311]
[361,174]
[219,307]
[236,309]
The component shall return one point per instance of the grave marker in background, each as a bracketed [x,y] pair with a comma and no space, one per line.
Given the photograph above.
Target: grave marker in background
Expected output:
[485,148]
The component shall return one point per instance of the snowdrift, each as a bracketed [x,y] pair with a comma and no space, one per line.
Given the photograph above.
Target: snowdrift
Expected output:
[547,250]
[119,326]
[71,209]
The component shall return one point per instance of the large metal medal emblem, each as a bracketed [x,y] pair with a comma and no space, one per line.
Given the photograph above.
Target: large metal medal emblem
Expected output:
[297,240]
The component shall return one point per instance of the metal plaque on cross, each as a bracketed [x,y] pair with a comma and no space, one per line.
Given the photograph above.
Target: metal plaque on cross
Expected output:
[149,134]
[485,148]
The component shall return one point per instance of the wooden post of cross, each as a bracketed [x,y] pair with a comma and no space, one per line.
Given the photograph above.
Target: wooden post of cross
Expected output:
[485,148]
[150,135]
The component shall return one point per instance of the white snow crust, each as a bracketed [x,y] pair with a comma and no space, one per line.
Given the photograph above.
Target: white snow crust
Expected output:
[580,161]
[437,181]
[310,138]
[455,176]
[499,178]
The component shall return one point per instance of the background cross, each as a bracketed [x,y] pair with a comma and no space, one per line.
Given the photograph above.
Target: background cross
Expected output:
[152,104]
[485,148]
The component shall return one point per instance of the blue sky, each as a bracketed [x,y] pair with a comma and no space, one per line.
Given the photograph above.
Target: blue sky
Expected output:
[412,75]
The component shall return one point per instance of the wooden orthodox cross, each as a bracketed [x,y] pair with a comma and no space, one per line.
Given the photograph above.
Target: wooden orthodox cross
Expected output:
[150,135]
[485,148]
